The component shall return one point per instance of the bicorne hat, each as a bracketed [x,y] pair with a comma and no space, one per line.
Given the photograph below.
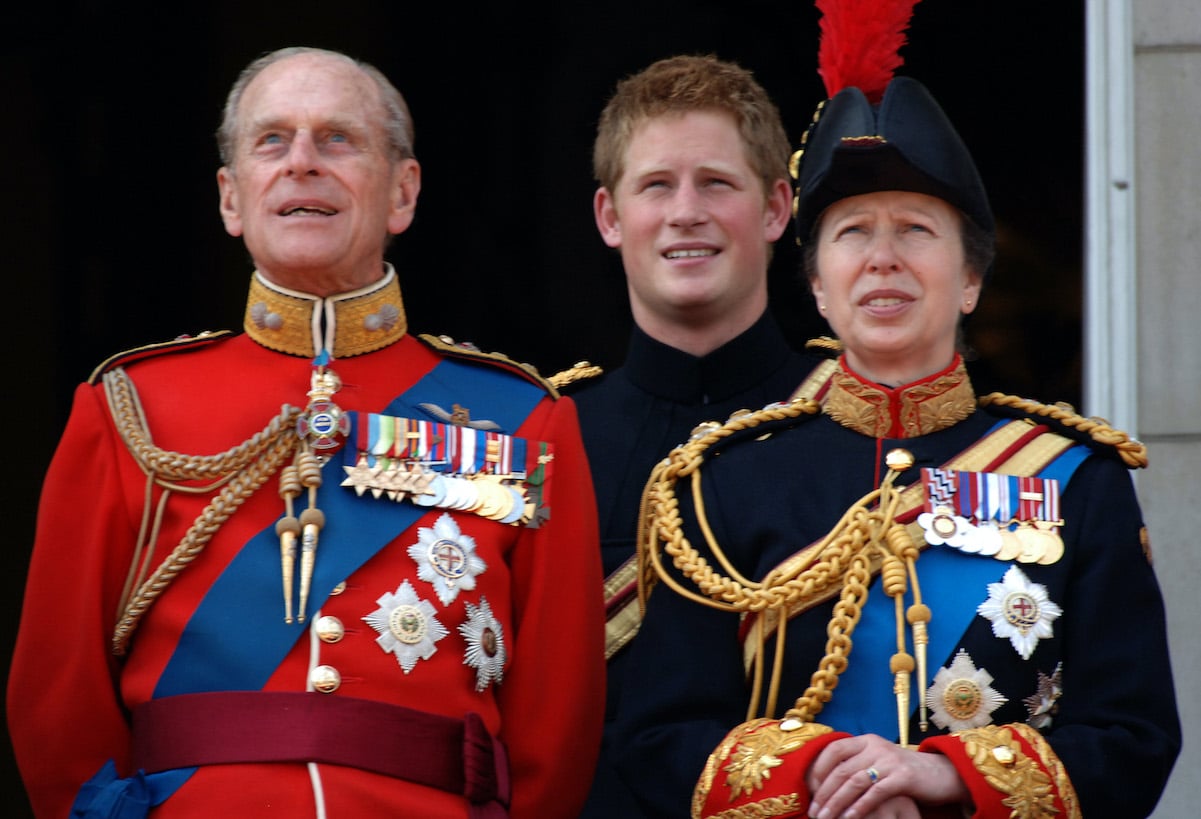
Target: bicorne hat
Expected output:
[877,132]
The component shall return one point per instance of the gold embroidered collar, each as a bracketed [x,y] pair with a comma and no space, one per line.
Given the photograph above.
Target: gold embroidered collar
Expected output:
[925,406]
[347,324]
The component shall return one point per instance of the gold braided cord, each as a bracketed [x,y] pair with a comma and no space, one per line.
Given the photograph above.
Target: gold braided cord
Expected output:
[139,565]
[238,472]
[168,466]
[232,495]
[1133,453]
[865,536]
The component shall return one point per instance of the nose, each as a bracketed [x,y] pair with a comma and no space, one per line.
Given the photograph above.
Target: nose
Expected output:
[882,255]
[687,207]
[304,159]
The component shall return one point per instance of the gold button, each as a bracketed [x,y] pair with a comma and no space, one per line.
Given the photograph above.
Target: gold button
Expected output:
[898,460]
[325,678]
[329,629]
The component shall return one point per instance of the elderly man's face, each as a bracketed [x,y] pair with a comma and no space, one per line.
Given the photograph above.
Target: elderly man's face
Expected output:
[312,189]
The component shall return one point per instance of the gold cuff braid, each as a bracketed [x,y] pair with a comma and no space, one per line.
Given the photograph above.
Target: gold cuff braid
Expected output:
[1030,792]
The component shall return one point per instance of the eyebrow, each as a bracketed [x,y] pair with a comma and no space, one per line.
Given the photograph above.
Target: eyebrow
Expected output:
[334,123]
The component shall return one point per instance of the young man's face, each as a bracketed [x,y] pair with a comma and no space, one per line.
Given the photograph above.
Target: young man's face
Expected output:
[693,224]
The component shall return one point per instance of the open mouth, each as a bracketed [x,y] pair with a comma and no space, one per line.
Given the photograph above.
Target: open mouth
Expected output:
[690,254]
[307,210]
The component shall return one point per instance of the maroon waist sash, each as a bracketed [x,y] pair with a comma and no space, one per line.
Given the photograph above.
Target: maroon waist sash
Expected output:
[223,727]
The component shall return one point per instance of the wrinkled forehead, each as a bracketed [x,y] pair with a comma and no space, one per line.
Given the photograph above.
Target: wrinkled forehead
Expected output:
[309,86]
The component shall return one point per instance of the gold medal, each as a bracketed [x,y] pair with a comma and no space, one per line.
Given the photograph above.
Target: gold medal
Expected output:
[1033,546]
[1011,546]
[1053,543]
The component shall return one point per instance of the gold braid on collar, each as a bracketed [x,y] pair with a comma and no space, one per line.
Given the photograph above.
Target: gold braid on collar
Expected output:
[916,409]
[348,324]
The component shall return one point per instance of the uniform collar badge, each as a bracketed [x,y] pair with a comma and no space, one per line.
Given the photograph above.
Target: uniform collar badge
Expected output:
[347,324]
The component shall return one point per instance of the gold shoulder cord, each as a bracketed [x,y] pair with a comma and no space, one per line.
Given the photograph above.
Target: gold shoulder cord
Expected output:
[1133,453]
[866,537]
[237,472]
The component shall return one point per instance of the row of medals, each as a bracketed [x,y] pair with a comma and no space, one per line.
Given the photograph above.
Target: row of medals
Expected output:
[483,493]
[1034,541]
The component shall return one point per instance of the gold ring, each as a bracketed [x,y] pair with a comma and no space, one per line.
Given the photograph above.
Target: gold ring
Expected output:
[873,775]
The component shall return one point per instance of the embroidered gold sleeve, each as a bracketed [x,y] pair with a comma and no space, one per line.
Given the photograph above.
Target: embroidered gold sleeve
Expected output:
[1029,783]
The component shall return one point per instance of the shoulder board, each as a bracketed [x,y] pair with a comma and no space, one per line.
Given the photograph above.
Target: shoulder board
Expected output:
[1063,419]
[710,437]
[175,345]
[465,350]
[825,344]
[577,373]
[817,382]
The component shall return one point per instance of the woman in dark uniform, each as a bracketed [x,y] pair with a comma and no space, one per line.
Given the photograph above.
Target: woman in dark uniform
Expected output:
[902,599]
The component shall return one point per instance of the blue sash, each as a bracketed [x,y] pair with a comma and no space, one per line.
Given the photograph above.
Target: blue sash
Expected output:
[951,582]
[236,638]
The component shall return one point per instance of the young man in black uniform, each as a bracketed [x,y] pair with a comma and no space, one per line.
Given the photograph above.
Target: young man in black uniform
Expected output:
[691,158]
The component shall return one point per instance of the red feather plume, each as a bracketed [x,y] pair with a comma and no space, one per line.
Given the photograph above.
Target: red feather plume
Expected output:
[860,43]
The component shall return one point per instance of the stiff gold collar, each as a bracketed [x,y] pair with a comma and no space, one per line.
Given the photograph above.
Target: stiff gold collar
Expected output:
[347,324]
[934,403]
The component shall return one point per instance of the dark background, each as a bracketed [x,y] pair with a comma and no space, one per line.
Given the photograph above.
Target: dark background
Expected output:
[113,240]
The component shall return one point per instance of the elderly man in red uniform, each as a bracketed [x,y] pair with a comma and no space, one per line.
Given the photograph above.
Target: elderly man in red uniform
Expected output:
[322,567]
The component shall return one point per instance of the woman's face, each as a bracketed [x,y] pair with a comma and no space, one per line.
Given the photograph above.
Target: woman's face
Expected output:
[892,281]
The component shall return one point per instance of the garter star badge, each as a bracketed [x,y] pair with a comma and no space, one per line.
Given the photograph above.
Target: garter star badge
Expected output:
[406,625]
[485,644]
[1020,610]
[962,696]
[446,558]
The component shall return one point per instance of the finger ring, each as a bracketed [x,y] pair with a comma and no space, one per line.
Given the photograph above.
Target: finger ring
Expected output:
[873,775]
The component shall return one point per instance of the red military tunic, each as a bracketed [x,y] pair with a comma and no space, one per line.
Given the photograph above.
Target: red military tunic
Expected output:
[519,643]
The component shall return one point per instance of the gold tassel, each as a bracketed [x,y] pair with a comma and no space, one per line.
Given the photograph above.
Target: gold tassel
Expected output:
[918,615]
[311,522]
[902,666]
[288,527]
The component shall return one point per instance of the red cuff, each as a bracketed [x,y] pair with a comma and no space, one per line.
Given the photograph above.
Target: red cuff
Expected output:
[1009,770]
[761,765]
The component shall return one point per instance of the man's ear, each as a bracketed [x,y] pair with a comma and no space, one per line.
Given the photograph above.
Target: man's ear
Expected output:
[604,208]
[231,214]
[405,188]
[778,210]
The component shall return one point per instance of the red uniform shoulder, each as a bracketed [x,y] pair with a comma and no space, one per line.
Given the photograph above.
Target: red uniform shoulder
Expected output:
[182,343]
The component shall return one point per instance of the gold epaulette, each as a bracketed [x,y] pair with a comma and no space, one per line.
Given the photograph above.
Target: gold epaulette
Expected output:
[1094,431]
[579,371]
[467,350]
[826,344]
[138,353]
[815,384]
